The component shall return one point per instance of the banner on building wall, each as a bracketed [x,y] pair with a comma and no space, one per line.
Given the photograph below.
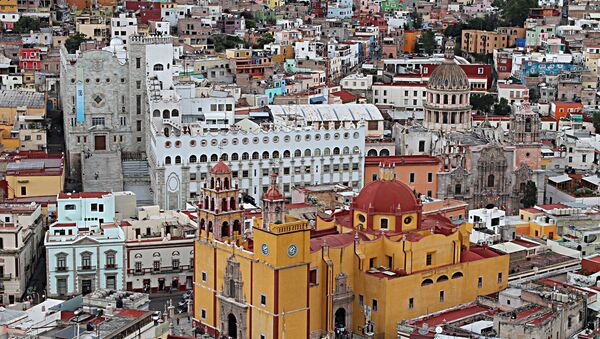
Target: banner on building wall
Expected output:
[79,101]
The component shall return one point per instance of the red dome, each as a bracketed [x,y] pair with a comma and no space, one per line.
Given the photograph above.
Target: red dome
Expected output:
[387,196]
[220,168]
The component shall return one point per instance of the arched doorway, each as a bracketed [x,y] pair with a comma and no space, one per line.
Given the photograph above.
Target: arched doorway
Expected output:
[225,229]
[339,321]
[231,326]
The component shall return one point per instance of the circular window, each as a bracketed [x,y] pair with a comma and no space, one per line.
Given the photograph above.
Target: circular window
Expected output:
[298,138]
[346,135]
[327,136]
[265,140]
[97,80]
[177,143]
[356,135]
[224,142]
[193,143]
[213,142]
[307,137]
[107,80]
[245,141]
[234,141]
[122,79]
[286,138]
[336,136]
[408,220]
[361,218]
[255,140]
[87,81]
[527,154]
[168,144]
[275,139]
[318,137]
[72,81]
[203,142]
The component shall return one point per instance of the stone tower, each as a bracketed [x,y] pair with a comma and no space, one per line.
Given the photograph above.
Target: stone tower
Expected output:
[273,204]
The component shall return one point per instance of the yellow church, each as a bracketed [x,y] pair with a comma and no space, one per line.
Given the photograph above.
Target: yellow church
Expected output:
[361,271]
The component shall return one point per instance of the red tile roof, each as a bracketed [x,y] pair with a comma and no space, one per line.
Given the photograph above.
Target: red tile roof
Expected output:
[402,160]
[82,195]
[345,96]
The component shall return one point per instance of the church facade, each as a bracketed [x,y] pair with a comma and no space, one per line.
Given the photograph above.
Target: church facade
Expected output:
[360,271]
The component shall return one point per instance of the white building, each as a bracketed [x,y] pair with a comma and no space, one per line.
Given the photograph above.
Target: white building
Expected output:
[21,235]
[487,223]
[85,246]
[407,96]
[513,93]
[123,26]
[160,250]
[357,82]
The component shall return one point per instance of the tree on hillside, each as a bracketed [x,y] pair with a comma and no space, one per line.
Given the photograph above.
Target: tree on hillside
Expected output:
[74,41]
[514,12]
[502,107]
[265,39]
[428,41]
[482,102]
[25,24]
[224,41]
[596,122]
[530,197]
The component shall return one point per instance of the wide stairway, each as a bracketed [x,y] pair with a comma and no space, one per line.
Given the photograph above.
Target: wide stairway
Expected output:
[101,172]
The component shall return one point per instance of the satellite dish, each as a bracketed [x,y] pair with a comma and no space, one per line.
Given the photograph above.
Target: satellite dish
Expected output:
[439,330]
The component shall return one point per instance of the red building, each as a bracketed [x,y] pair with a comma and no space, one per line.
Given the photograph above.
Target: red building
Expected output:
[319,8]
[148,10]
[29,59]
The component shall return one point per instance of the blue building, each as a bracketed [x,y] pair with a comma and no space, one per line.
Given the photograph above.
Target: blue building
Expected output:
[84,247]
[532,68]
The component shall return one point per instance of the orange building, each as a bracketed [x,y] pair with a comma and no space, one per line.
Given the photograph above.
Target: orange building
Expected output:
[419,172]
[562,109]
[410,41]
[450,208]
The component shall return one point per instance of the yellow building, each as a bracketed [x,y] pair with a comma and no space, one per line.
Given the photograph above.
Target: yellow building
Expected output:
[15,103]
[8,6]
[32,174]
[362,270]
[482,42]
[533,222]
[275,3]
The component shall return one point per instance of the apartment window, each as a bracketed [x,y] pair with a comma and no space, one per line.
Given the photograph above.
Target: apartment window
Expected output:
[203,314]
[361,300]
[412,178]
[263,300]
[138,84]
[371,262]
[583,157]
[94,207]
[428,259]
[123,121]
[138,62]
[411,303]
[61,262]
[422,146]
[23,190]
[111,282]
[384,224]
[429,177]
[86,261]
[110,259]
[175,264]
[480,282]
[441,296]
[499,277]
[204,276]
[374,304]
[138,266]
[156,265]
[138,104]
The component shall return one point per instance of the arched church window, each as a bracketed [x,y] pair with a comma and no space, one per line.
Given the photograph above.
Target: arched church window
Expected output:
[490,180]
[528,125]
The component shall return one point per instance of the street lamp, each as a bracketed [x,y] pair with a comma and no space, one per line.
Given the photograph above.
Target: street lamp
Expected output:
[77,313]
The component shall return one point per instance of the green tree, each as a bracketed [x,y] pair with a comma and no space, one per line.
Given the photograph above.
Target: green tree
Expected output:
[514,12]
[596,121]
[25,24]
[530,195]
[250,23]
[225,41]
[502,107]
[428,41]
[266,38]
[482,102]
[74,41]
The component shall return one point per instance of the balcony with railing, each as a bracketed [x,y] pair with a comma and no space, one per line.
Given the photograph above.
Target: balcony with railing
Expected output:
[161,270]
[111,266]
[61,268]
[86,268]
[5,276]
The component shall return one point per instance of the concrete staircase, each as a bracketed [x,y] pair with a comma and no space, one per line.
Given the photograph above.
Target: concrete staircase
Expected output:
[101,172]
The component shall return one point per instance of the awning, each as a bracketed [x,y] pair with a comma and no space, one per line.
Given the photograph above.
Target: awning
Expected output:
[317,100]
[560,179]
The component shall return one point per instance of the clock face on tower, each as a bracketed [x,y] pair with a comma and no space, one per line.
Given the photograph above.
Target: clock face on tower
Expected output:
[292,250]
[265,249]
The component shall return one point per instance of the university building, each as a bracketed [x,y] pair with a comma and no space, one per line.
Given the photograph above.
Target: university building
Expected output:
[362,270]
